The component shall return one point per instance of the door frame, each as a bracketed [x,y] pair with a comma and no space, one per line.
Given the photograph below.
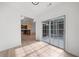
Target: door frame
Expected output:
[64,16]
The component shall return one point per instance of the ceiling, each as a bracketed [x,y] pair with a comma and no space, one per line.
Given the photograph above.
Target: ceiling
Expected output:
[28,9]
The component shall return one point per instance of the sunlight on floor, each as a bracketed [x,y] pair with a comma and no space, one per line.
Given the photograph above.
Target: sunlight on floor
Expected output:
[40,49]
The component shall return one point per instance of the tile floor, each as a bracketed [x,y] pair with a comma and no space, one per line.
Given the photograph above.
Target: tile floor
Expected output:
[40,49]
[33,48]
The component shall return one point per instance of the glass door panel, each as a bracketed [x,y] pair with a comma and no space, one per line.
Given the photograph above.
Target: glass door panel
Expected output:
[54,40]
[46,31]
[57,32]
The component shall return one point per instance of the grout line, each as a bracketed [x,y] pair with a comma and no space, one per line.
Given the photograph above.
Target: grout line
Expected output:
[34,51]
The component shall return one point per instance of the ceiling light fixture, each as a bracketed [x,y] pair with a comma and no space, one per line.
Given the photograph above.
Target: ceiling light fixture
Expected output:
[35,3]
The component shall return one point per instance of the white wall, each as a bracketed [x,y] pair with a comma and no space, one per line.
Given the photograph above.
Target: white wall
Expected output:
[10,35]
[34,27]
[71,10]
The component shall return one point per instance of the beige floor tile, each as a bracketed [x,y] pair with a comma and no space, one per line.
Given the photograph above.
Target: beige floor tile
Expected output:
[66,54]
[19,50]
[55,54]
[59,51]
[29,52]
[11,53]
[50,51]
[40,51]
[33,55]
[52,47]
[20,55]
[44,55]
[27,48]
[4,53]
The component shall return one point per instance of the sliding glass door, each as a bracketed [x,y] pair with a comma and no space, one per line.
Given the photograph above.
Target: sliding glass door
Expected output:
[53,31]
[57,32]
[46,31]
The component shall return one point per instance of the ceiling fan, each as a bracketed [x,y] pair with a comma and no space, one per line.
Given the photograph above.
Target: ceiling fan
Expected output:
[35,3]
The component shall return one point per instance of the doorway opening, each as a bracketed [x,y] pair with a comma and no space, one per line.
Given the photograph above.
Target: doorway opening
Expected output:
[53,31]
[28,32]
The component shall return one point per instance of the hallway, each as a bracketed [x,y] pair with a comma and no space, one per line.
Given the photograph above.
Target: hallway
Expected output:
[27,39]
